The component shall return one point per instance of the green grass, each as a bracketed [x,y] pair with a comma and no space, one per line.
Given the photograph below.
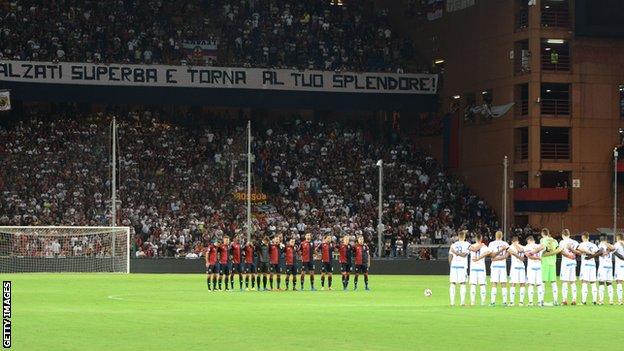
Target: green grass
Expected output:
[164,312]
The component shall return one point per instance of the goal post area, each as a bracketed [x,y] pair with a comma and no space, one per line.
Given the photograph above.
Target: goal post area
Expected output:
[50,249]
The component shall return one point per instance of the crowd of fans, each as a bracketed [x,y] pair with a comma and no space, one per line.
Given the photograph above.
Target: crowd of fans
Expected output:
[321,34]
[176,184]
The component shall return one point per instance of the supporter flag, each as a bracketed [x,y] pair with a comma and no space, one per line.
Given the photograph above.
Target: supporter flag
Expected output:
[435,9]
[492,111]
[200,51]
[541,200]
[5,100]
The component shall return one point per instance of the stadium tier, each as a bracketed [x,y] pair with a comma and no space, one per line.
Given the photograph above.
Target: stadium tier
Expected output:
[425,158]
[179,185]
[281,34]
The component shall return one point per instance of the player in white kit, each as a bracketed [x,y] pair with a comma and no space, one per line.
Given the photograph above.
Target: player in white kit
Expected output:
[533,253]
[588,252]
[619,266]
[458,257]
[517,274]
[498,267]
[605,270]
[478,252]
[567,273]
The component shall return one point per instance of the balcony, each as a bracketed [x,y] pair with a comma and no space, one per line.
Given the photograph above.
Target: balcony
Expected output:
[555,152]
[522,109]
[555,55]
[556,14]
[522,153]
[522,20]
[556,107]
[555,62]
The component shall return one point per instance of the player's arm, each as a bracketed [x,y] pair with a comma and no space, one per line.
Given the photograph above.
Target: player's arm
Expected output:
[495,255]
[569,253]
[582,251]
[477,259]
[552,253]
[501,257]
[598,253]
[207,254]
[463,254]
[516,255]
[618,255]
[476,247]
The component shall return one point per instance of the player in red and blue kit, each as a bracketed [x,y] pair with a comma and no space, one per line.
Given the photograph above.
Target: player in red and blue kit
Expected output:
[345,251]
[291,267]
[327,250]
[274,256]
[362,261]
[250,266]
[211,266]
[306,250]
[224,262]
[237,266]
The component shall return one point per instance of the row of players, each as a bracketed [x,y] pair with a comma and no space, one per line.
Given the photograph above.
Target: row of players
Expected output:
[540,268]
[256,262]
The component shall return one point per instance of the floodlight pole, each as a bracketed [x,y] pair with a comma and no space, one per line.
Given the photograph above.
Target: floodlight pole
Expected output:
[505,181]
[380,210]
[114,174]
[114,186]
[615,174]
[248,181]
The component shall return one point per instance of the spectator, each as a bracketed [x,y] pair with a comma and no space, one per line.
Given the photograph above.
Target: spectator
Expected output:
[177,183]
[282,34]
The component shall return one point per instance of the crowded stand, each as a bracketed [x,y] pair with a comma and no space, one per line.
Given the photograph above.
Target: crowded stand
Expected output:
[178,182]
[324,35]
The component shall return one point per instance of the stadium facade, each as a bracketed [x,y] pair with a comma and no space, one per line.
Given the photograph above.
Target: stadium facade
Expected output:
[560,64]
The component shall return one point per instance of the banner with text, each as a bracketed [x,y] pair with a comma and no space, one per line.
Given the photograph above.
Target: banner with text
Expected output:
[216,77]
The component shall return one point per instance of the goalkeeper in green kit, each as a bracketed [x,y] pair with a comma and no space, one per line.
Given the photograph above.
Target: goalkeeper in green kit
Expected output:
[549,263]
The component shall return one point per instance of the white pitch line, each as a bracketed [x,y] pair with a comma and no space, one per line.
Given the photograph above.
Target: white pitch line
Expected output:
[115,297]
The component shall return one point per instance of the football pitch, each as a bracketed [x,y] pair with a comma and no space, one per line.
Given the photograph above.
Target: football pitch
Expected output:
[165,312]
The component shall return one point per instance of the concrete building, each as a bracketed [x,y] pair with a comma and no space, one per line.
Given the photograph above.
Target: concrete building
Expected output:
[561,63]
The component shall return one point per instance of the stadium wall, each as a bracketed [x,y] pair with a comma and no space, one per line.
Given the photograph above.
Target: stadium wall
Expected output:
[218,97]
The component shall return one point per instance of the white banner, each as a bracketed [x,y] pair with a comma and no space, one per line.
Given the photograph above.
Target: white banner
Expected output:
[5,100]
[492,111]
[216,77]
[201,44]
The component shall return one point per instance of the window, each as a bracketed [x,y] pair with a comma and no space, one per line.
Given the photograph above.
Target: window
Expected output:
[522,100]
[555,143]
[555,55]
[556,13]
[555,99]
[521,141]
